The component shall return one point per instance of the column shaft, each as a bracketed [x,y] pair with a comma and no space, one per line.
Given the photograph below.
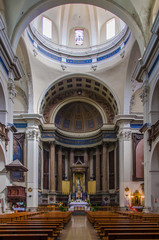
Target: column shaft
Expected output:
[97,170]
[104,169]
[60,169]
[52,167]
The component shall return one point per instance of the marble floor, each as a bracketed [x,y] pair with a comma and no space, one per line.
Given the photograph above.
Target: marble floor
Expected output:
[79,228]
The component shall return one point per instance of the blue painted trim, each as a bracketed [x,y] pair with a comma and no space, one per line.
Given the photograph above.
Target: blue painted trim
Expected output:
[133,125]
[127,39]
[72,61]
[109,135]
[30,38]
[48,135]
[48,54]
[109,54]
[78,61]
[20,125]
[4,66]
[153,66]
[78,141]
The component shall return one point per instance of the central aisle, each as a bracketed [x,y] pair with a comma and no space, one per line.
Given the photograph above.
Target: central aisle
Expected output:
[79,228]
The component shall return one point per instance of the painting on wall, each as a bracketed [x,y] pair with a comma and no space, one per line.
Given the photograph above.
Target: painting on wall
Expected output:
[138,157]
[18,153]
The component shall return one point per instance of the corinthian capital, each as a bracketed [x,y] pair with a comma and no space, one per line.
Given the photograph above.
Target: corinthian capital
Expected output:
[125,135]
[33,134]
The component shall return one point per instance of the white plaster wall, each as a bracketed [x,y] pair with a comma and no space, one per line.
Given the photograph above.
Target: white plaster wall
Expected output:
[137,106]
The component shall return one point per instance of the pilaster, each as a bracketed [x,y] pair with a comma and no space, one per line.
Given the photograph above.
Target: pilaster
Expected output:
[32,135]
[97,169]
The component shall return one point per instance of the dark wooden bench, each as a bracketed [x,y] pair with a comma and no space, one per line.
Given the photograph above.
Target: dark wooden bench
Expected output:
[23,236]
[132,235]
[129,230]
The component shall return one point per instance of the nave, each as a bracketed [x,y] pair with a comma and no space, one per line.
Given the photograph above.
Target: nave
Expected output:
[78,228]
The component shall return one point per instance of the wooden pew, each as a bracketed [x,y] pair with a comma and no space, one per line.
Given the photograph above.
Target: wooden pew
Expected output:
[132,235]
[23,236]
[128,230]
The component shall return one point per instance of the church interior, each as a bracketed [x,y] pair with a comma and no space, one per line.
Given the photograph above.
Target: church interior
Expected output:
[79,109]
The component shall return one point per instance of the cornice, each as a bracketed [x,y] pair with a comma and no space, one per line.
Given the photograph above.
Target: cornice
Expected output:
[148,56]
[8,57]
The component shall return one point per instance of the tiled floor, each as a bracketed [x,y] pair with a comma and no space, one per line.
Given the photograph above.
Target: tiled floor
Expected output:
[79,228]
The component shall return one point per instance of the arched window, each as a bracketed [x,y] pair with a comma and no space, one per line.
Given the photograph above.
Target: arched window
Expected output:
[110,28]
[79,36]
[47,27]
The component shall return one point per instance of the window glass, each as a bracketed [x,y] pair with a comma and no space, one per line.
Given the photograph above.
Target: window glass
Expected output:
[47,27]
[110,28]
[79,36]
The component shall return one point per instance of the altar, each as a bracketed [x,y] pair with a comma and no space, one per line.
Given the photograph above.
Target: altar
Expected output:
[78,205]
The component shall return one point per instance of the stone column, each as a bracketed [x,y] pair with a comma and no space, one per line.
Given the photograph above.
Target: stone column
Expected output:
[104,169]
[97,169]
[125,160]
[73,182]
[71,157]
[52,167]
[32,134]
[60,170]
[66,166]
[11,94]
[84,184]
[70,172]
[145,96]
[86,156]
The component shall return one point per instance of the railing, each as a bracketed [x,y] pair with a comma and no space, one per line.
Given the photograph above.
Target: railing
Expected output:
[4,134]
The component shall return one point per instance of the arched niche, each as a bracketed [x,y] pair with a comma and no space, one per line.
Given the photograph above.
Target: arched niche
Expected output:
[130,83]
[3,112]
[2,166]
[155,178]
[154,109]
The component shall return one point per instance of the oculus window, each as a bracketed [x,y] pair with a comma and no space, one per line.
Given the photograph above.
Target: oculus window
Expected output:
[110,28]
[79,37]
[47,27]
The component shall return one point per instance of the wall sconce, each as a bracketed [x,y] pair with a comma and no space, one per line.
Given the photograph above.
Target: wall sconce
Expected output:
[132,196]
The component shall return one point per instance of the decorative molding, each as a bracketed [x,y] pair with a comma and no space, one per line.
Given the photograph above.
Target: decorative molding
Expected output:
[33,134]
[8,59]
[4,134]
[145,94]
[153,133]
[11,89]
[104,51]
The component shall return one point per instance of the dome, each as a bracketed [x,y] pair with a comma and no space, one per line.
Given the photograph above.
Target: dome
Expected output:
[78,34]
[78,25]
[78,117]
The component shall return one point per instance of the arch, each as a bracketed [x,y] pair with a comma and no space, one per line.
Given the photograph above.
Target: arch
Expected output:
[2,166]
[63,78]
[154,177]
[3,109]
[154,102]
[29,93]
[74,99]
[128,89]
[33,10]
